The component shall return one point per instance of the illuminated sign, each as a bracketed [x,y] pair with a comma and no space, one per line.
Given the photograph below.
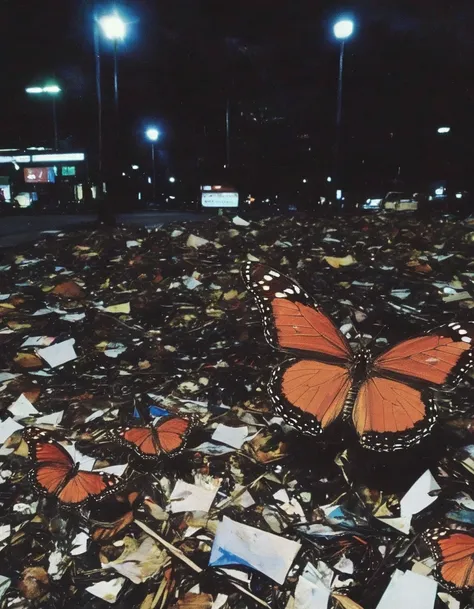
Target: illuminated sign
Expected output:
[57,158]
[17,158]
[220,199]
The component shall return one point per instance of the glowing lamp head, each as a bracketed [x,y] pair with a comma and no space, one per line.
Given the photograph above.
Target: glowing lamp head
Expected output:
[113,27]
[152,134]
[343,29]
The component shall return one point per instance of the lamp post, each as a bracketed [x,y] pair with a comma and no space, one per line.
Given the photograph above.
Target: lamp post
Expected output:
[52,90]
[114,29]
[153,134]
[343,30]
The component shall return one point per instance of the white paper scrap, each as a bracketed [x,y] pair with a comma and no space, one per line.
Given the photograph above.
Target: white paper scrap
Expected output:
[239,544]
[195,241]
[7,376]
[54,418]
[22,408]
[191,498]
[107,590]
[79,543]
[117,470]
[420,495]
[410,591]
[5,583]
[7,428]
[58,354]
[232,436]
[38,341]
[310,591]
[401,524]
[220,601]
[238,221]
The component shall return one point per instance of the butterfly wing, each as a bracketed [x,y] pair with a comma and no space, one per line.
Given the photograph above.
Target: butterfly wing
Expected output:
[172,433]
[454,554]
[308,394]
[53,464]
[292,321]
[443,357]
[84,486]
[389,415]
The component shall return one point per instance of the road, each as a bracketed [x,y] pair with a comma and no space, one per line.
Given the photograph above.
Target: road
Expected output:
[15,230]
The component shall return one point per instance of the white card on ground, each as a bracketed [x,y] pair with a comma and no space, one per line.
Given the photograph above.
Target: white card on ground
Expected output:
[58,354]
[239,544]
[107,590]
[310,591]
[420,495]
[410,591]
[232,436]
[7,428]
[7,376]
[79,543]
[116,470]
[54,418]
[86,463]
[191,498]
[38,341]
[22,408]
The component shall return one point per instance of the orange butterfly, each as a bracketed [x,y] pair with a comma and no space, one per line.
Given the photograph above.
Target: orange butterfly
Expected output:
[388,397]
[167,438]
[55,473]
[453,551]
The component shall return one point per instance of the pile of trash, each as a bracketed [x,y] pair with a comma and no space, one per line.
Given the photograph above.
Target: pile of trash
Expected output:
[105,329]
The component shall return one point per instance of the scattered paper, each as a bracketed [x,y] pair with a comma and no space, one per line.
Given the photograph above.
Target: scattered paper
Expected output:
[191,498]
[141,562]
[38,341]
[239,544]
[22,408]
[409,591]
[7,428]
[119,308]
[107,590]
[79,544]
[238,221]
[5,583]
[58,354]
[232,436]
[54,418]
[422,494]
[311,592]
[194,241]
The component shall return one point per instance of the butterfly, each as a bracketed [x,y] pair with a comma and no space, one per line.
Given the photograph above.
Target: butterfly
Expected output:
[166,438]
[55,473]
[453,551]
[387,397]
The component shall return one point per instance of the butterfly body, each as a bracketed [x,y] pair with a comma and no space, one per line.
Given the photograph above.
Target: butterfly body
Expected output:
[387,398]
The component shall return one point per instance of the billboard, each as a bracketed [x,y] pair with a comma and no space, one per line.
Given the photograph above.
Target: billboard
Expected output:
[219,196]
[42,175]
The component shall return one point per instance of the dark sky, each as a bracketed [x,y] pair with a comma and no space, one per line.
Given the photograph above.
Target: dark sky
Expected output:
[409,68]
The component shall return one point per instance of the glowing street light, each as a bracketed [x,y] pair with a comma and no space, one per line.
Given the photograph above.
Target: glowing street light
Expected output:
[113,26]
[52,90]
[172,180]
[343,30]
[444,130]
[152,135]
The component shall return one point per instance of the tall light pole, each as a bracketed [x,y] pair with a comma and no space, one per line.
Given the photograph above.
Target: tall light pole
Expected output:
[53,91]
[153,134]
[114,28]
[343,30]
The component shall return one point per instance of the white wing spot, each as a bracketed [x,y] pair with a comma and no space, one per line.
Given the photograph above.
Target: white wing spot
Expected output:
[456,327]
[266,288]
[267,277]
[274,273]
[280,295]
[462,332]
[289,291]
[466,339]
[296,288]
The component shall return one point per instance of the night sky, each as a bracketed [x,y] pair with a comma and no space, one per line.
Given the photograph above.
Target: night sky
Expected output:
[409,69]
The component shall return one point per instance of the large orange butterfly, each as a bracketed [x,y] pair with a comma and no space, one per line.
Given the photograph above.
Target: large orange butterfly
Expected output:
[453,551]
[55,473]
[388,397]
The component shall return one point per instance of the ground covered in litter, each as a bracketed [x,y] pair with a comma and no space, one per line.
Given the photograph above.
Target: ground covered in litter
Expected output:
[107,328]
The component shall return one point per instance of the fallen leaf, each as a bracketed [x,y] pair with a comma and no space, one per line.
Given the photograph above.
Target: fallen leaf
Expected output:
[34,583]
[28,361]
[194,601]
[69,289]
[338,262]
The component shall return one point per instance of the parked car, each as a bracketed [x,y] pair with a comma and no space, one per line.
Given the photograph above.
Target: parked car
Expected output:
[399,201]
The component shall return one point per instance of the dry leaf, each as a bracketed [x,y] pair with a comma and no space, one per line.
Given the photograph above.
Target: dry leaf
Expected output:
[194,601]
[28,360]
[34,583]
[140,564]
[69,289]
[338,262]
[345,602]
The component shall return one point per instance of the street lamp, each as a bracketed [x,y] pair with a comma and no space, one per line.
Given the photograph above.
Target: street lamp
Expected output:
[153,135]
[172,180]
[444,130]
[343,30]
[114,28]
[52,90]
